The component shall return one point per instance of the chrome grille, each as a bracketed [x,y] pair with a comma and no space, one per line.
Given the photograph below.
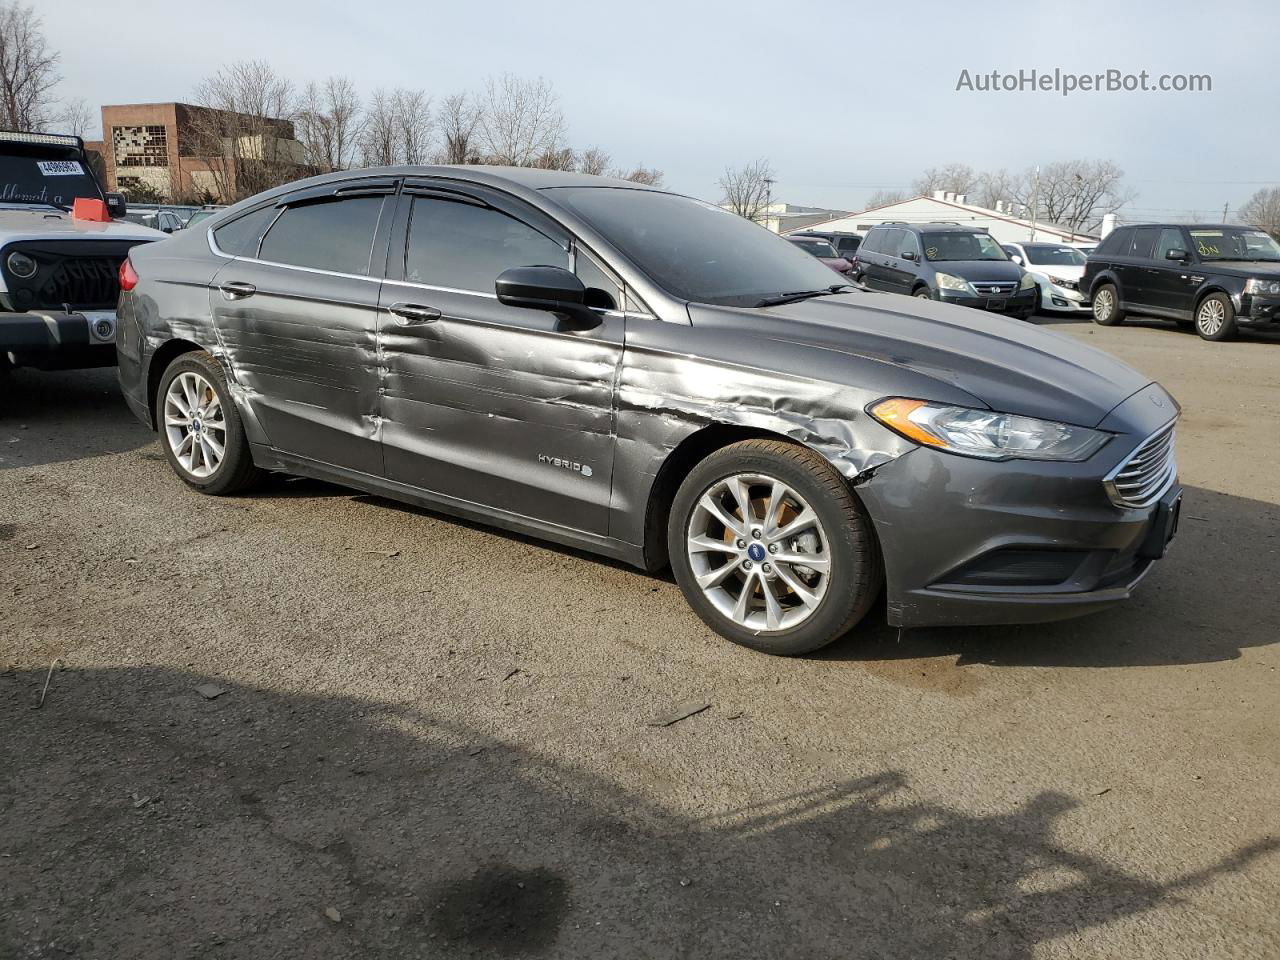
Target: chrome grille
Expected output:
[1143,479]
[993,287]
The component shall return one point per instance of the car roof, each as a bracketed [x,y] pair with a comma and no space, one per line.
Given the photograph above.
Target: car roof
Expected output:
[528,177]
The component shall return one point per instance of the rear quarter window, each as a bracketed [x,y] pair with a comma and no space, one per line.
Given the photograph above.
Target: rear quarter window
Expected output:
[240,237]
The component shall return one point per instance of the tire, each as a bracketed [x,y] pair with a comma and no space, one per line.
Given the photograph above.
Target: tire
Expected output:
[1106,305]
[196,375]
[1216,318]
[827,523]
[922,294]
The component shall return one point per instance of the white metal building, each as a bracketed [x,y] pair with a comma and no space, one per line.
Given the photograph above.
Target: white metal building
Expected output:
[1003,226]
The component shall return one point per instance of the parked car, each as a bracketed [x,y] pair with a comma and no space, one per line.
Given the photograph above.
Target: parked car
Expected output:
[204,213]
[61,247]
[1215,278]
[947,262]
[575,358]
[817,247]
[1056,269]
[166,221]
[846,244]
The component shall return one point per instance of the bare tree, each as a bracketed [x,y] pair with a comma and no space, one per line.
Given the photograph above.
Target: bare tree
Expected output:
[520,120]
[559,158]
[458,118]
[378,136]
[594,161]
[28,70]
[329,124]
[1263,210]
[882,198]
[996,186]
[1075,194]
[75,118]
[414,125]
[747,189]
[242,128]
[649,176]
[952,178]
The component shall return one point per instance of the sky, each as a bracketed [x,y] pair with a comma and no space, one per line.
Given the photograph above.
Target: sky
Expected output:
[842,98]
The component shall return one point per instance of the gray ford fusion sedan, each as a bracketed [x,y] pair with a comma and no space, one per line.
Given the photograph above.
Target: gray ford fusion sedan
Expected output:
[643,375]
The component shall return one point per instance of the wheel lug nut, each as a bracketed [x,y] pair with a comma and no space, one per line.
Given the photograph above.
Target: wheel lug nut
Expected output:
[756,533]
[746,564]
[741,544]
[773,548]
[766,568]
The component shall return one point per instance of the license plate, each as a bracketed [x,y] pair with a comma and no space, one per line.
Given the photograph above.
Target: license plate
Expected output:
[997,304]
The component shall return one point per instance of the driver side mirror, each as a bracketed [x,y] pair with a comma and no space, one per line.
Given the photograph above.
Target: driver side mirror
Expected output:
[553,289]
[1016,259]
[910,255]
[116,205]
[1177,254]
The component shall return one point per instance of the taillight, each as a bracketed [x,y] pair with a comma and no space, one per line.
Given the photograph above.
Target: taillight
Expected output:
[128,276]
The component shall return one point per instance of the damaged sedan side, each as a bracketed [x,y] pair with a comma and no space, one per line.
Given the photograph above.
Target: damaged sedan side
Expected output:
[645,376]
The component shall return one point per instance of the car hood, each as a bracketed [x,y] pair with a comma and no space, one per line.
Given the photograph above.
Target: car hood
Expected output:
[1242,268]
[980,270]
[1008,365]
[49,223]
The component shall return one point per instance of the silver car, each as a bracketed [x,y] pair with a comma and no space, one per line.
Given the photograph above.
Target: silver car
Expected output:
[643,375]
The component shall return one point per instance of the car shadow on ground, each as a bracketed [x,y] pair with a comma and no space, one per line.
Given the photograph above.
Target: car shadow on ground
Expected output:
[1151,323]
[142,820]
[1176,615]
[64,416]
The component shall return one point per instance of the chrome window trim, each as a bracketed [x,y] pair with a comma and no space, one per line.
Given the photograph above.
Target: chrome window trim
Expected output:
[494,296]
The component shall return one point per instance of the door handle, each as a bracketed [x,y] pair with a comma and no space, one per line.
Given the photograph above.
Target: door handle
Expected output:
[235,290]
[409,314]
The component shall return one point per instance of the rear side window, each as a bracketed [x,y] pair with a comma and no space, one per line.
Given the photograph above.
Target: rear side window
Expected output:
[335,235]
[465,247]
[1115,242]
[848,245]
[240,237]
[1144,240]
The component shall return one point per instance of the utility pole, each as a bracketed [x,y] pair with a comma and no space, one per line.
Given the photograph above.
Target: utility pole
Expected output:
[1225,208]
[768,203]
[1035,189]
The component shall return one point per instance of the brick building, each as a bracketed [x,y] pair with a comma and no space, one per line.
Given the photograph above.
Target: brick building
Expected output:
[188,153]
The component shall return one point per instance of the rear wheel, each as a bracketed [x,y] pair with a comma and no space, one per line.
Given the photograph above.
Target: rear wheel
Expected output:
[200,429]
[1216,318]
[772,549]
[1106,306]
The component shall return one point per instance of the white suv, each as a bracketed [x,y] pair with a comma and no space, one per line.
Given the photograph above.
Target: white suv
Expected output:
[1057,269]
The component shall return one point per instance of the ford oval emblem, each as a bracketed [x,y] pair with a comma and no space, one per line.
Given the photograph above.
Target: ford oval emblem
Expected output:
[1157,400]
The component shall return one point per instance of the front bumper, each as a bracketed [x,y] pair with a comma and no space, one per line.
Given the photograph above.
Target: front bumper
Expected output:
[1258,309]
[57,340]
[1019,302]
[971,542]
[1064,300]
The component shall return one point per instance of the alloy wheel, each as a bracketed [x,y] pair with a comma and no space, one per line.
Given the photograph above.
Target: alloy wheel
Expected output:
[758,552]
[1103,303]
[194,425]
[1211,316]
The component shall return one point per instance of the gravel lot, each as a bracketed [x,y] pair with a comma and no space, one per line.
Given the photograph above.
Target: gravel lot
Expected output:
[433,740]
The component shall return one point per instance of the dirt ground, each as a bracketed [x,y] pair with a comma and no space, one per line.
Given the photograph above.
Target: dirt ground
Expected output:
[429,739]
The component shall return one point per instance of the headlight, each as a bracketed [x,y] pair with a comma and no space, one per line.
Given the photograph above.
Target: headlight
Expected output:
[20,265]
[1027,282]
[1255,285]
[947,282]
[985,433]
[1064,284]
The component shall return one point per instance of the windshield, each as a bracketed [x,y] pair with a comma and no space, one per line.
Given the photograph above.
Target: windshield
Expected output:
[1235,243]
[198,216]
[819,248]
[1054,256]
[693,250]
[40,173]
[957,245]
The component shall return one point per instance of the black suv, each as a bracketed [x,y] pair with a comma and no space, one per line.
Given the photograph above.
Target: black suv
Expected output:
[1215,278]
[846,244]
[947,262]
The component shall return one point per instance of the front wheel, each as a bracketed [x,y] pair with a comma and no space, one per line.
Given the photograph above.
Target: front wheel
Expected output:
[923,294]
[772,549]
[1106,306]
[200,429]
[1216,318]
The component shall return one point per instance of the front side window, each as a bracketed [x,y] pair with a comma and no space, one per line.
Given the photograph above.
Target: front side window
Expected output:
[943,245]
[910,244]
[1052,255]
[466,247]
[1235,243]
[334,235]
[693,250]
[1170,239]
[891,242]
